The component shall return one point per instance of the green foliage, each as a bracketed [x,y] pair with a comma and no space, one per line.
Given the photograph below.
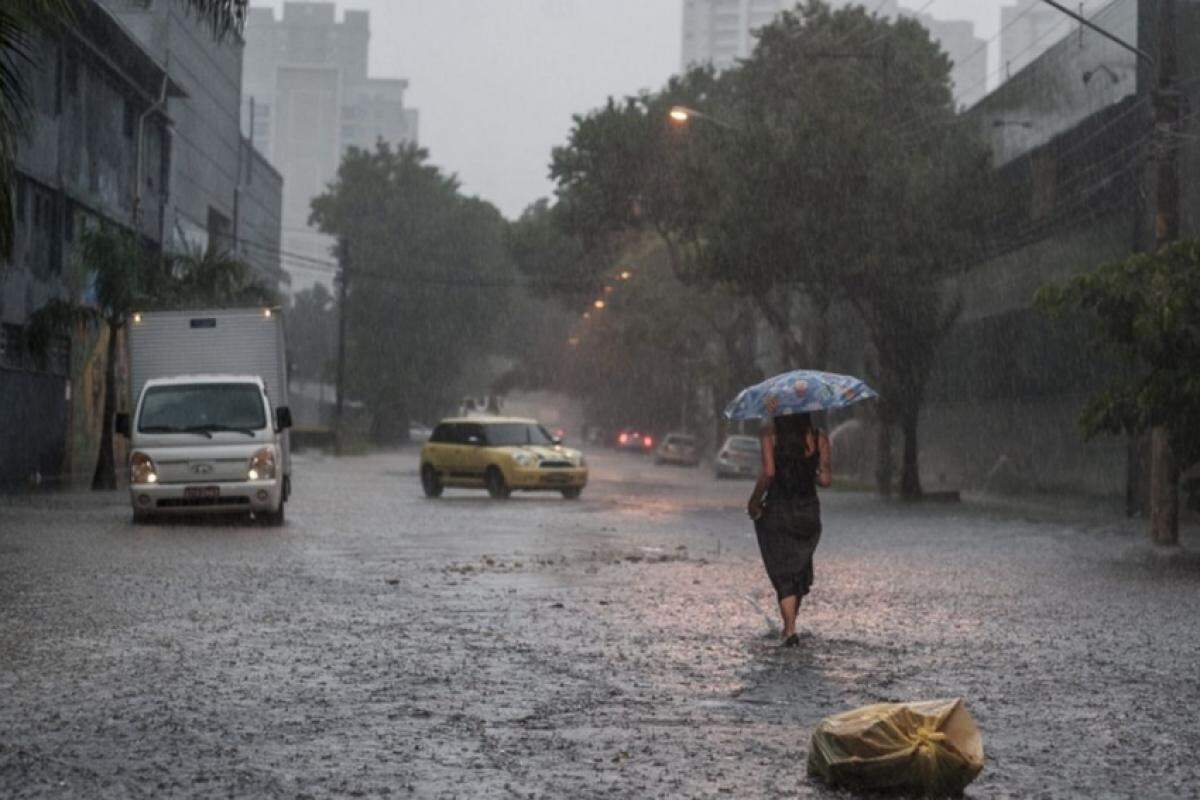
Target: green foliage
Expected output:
[556,263]
[312,334]
[428,275]
[626,168]
[1146,312]
[818,171]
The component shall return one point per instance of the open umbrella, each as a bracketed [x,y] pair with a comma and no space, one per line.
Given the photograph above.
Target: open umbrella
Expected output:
[798,392]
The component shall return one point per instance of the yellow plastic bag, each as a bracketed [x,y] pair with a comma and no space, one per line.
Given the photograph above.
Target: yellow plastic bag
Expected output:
[932,748]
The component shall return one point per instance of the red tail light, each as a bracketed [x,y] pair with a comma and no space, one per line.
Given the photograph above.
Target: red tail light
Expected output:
[648,442]
[623,438]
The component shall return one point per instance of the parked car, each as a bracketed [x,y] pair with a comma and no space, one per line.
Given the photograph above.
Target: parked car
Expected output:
[635,441]
[739,457]
[678,448]
[501,455]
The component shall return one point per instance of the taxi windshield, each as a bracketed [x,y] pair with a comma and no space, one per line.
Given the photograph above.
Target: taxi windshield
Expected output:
[508,434]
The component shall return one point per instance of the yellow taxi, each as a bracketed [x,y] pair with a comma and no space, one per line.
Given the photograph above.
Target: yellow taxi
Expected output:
[502,455]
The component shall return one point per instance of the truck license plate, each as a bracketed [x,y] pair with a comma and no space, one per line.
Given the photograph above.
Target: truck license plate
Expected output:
[201,492]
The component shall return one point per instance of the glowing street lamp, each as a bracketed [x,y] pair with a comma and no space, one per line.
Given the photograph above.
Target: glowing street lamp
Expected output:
[626,275]
[599,305]
[682,115]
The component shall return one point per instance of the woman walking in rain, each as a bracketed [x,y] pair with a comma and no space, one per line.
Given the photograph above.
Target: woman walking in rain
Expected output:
[786,511]
[795,461]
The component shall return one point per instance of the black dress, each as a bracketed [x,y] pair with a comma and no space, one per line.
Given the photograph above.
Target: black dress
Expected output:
[790,527]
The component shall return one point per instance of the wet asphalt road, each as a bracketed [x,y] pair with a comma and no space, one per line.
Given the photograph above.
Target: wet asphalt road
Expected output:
[383,645]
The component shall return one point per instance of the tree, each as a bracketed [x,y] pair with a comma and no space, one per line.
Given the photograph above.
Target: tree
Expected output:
[626,169]
[312,333]
[127,276]
[1146,312]
[428,278]
[823,174]
[20,23]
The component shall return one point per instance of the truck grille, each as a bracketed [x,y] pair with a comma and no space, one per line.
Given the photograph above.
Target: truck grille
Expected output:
[199,502]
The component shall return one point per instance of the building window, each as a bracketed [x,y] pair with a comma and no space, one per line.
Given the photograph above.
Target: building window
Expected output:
[12,346]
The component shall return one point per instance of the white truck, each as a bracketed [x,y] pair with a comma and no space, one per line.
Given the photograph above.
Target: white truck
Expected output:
[210,414]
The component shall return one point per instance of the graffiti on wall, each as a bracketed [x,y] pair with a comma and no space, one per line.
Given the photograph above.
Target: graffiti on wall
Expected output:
[89,353]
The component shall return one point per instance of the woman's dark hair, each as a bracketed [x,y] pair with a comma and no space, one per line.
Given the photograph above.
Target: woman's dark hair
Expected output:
[791,432]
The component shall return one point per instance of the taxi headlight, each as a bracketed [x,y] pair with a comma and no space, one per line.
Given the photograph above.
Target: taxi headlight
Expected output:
[525,459]
[262,465]
[141,469]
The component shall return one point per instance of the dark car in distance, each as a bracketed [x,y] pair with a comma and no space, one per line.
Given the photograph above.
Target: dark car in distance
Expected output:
[632,440]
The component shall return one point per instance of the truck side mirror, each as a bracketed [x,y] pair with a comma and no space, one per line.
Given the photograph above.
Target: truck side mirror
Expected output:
[283,418]
[122,425]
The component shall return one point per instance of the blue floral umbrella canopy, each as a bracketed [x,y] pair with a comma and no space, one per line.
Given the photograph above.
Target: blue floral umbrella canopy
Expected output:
[798,392]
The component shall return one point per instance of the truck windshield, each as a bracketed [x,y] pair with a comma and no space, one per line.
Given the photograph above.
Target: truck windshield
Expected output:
[506,434]
[203,408]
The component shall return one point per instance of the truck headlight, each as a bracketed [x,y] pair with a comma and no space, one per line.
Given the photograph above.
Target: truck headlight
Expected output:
[141,469]
[262,465]
[524,459]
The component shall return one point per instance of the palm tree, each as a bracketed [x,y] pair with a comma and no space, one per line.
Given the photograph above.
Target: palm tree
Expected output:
[20,23]
[130,277]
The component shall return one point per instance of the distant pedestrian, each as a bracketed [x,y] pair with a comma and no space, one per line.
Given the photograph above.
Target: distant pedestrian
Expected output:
[786,511]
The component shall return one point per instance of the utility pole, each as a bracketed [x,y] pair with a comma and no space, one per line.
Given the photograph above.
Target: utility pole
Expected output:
[1164,469]
[343,279]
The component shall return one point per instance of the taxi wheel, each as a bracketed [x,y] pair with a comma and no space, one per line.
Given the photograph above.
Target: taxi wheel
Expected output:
[572,493]
[430,481]
[496,487]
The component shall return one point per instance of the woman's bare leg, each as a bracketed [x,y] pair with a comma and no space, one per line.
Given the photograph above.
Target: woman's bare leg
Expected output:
[788,607]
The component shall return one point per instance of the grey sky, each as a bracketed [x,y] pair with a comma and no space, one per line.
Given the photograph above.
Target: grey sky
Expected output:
[496,81]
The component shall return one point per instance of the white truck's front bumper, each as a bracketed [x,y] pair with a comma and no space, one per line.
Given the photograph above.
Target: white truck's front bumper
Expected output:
[206,498]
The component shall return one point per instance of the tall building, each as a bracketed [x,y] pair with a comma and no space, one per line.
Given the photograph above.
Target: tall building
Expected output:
[308,97]
[722,31]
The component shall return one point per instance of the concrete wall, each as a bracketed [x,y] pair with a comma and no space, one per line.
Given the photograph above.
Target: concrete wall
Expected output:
[32,427]
[259,222]
[1050,96]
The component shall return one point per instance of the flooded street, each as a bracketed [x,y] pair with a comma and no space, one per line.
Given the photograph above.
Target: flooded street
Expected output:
[624,645]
